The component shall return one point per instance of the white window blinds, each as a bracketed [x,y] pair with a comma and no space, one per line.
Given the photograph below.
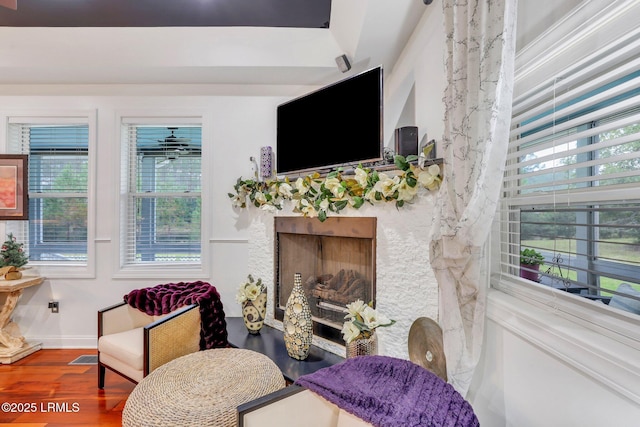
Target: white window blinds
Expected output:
[572,177]
[161,189]
[58,188]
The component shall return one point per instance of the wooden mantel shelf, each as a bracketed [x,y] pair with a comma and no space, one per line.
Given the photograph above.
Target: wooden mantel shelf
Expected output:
[392,166]
[387,167]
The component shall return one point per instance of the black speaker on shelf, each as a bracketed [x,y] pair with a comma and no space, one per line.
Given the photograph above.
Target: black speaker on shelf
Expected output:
[406,140]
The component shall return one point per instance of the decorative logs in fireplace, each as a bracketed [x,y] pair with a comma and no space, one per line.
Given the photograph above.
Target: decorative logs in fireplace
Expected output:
[341,289]
[329,294]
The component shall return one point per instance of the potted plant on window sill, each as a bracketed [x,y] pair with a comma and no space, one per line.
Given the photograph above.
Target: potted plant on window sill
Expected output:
[530,262]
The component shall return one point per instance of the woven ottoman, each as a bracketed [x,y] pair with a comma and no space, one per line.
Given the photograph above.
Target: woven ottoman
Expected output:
[201,389]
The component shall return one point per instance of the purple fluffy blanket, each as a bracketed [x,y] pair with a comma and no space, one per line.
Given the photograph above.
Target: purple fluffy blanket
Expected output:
[390,392]
[163,299]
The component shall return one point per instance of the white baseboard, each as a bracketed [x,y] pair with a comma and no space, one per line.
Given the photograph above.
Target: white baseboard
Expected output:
[66,342]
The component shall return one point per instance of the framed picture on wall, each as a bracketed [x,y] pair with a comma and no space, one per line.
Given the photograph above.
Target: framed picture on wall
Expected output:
[14,189]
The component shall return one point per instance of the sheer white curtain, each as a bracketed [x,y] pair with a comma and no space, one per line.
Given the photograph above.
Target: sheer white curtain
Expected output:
[479,67]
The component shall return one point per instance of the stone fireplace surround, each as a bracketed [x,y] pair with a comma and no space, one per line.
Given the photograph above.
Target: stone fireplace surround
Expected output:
[406,287]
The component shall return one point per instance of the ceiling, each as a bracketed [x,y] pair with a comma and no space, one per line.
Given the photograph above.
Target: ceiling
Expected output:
[282,42]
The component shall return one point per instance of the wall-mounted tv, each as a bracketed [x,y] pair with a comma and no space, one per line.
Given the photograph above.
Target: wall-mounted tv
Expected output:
[338,125]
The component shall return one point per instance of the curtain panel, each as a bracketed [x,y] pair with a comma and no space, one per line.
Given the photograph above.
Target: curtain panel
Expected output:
[480,38]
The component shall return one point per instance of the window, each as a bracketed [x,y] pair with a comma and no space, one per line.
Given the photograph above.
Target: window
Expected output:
[571,182]
[57,231]
[161,185]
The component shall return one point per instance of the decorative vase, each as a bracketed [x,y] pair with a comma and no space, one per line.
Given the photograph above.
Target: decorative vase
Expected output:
[530,272]
[254,312]
[363,346]
[298,328]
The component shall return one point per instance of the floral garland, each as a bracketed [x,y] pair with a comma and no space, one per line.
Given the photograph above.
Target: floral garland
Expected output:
[315,196]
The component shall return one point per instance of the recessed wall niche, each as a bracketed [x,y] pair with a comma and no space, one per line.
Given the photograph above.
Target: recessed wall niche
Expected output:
[336,259]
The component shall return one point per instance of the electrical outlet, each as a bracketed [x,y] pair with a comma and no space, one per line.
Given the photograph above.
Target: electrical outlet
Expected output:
[54,306]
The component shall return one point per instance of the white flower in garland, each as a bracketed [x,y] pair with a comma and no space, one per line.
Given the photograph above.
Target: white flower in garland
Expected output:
[335,186]
[285,190]
[405,191]
[429,178]
[307,208]
[302,186]
[361,177]
[386,185]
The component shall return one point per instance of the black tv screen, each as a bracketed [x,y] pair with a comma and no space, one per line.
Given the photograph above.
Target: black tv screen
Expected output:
[338,125]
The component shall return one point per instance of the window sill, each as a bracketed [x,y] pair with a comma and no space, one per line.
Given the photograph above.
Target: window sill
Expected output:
[602,344]
[161,272]
[69,271]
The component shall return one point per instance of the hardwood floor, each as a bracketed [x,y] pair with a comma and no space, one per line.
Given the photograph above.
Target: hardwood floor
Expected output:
[44,390]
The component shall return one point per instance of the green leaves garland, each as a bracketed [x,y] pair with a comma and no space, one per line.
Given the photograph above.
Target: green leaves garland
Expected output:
[315,196]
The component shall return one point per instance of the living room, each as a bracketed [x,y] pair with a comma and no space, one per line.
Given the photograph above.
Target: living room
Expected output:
[538,367]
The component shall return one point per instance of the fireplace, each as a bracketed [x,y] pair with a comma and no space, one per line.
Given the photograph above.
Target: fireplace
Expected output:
[336,259]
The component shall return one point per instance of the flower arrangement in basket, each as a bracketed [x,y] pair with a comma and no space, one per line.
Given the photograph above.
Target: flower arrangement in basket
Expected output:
[362,321]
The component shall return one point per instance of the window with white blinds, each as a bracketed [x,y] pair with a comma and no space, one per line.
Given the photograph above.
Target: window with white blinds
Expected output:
[161,185]
[56,232]
[572,181]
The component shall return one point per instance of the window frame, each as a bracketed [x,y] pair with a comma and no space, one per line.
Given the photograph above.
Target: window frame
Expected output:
[588,266]
[161,270]
[52,269]
[599,342]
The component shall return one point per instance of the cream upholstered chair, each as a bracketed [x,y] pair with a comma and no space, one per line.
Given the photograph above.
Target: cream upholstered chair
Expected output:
[381,389]
[362,391]
[133,343]
[302,408]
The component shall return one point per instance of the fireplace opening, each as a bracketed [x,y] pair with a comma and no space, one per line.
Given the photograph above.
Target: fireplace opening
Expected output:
[336,259]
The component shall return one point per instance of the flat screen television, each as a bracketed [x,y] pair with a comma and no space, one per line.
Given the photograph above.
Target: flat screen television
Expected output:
[339,125]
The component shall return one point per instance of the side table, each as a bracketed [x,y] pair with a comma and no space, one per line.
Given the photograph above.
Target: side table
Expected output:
[270,342]
[13,345]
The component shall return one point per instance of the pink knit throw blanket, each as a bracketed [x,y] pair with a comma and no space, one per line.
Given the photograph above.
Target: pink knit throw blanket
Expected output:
[165,298]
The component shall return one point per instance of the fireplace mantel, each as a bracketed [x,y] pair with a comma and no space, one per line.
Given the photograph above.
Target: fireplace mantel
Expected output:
[405,284]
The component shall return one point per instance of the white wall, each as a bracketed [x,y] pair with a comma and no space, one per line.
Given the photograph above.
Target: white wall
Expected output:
[541,369]
[240,125]
[242,120]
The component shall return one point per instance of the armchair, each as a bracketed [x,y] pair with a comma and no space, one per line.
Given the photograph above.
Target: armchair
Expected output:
[363,391]
[133,343]
[302,408]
